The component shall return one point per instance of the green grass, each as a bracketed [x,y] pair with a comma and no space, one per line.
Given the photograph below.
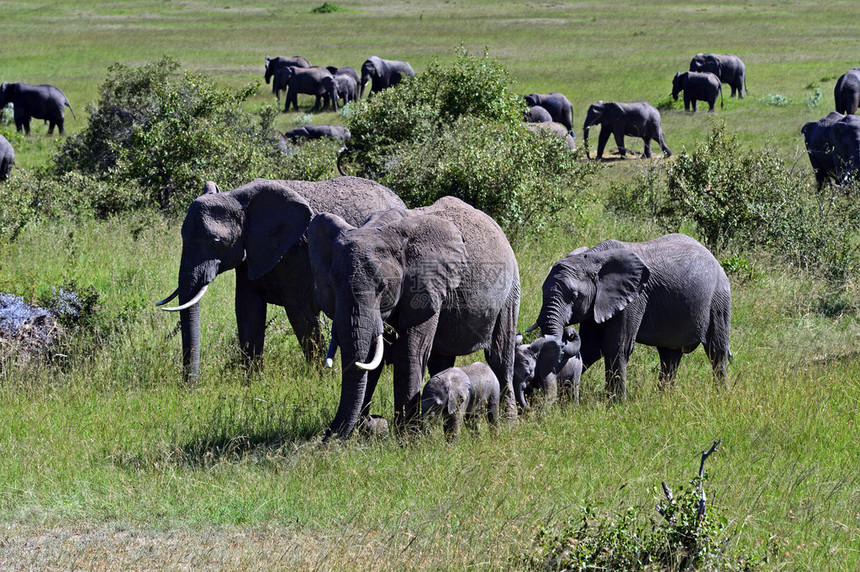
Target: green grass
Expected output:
[108,442]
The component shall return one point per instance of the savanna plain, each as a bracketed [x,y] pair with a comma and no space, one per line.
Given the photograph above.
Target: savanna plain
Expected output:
[109,461]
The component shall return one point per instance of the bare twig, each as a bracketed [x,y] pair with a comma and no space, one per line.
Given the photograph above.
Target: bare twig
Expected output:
[668,492]
[705,455]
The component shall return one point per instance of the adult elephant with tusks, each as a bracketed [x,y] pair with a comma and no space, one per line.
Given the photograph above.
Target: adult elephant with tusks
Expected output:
[637,119]
[258,230]
[727,67]
[383,73]
[441,281]
[35,101]
[669,292]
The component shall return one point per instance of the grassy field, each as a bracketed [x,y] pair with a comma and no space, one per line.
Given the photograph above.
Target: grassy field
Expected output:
[110,462]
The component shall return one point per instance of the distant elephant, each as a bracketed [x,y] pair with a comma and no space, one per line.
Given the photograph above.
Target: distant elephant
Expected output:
[727,67]
[461,393]
[548,361]
[274,64]
[40,101]
[309,81]
[637,119]
[847,92]
[537,114]
[833,146]
[384,73]
[259,229]
[7,158]
[318,131]
[342,85]
[439,281]
[556,129]
[697,87]
[669,292]
[556,104]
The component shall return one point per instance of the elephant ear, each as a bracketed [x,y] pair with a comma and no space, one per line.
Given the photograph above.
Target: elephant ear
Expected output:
[621,277]
[434,257]
[275,219]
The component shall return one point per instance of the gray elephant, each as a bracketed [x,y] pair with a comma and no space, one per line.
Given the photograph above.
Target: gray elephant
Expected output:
[438,281]
[847,92]
[537,114]
[259,230]
[279,62]
[40,101]
[637,119]
[669,292]
[342,85]
[548,362]
[556,129]
[833,146]
[7,158]
[310,81]
[384,73]
[727,67]
[318,131]
[556,104]
[697,87]
[461,393]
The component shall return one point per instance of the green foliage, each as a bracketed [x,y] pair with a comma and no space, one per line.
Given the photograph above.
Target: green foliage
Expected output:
[457,130]
[683,539]
[326,8]
[813,99]
[776,100]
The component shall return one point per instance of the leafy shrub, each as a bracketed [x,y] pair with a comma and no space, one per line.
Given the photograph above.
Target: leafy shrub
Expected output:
[776,100]
[457,130]
[167,133]
[326,8]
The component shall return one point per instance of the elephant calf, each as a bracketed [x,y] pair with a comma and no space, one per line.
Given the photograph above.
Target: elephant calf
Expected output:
[317,132]
[556,129]
[636,119]
[549,361]
[697,87]
[459,393]
[556,105]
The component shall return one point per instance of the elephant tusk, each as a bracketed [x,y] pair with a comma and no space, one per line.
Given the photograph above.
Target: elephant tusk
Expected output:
[532,328]
[332,349]
[189,303]
[169,298]
[377,357]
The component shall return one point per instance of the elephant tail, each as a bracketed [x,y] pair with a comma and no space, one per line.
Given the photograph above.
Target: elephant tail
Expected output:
[69,105]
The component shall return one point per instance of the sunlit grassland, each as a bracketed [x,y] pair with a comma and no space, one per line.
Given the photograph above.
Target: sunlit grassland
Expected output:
[108,438]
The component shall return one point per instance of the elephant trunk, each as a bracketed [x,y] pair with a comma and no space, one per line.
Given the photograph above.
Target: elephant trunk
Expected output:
[520,396]
[551,319]
[364,80]
[189,320]
[193,283]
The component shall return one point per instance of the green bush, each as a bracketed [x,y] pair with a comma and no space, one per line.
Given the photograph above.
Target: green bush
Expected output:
[458,130]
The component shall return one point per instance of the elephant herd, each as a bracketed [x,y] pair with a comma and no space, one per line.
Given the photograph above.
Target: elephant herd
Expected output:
[415,288]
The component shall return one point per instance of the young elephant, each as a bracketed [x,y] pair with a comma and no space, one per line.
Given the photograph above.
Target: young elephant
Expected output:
[697,87]
[549,361]
[459,393]
[636,119]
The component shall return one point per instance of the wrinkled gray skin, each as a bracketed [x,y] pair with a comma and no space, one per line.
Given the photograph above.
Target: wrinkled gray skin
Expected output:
[310,81]
[728,67]
[547,362]
[556,104]
[274,64]
[7,158]
[670,293]
[342,85]
[259,230]
[35,101]
[833,146]
[847,92]
[384,73]
[557,129]
[637,119]
[317,131]
[697,87]
[537,114]
[441,280]
[461,393]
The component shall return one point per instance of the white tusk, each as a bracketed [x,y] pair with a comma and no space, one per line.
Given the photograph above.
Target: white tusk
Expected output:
[332,349]
[532,328]
[189,303]
[168,299]
[377,357]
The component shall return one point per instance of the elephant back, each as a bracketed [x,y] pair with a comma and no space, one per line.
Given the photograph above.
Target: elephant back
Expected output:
[351,198]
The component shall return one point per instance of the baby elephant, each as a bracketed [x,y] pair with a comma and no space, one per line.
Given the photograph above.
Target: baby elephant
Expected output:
[548,362]
[459,393]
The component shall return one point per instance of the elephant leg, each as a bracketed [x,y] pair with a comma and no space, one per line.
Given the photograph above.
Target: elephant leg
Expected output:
[437,363]
[602,139]
[666,151]
[250,319]
[619,338]
[306,325]
[500,355]
[669,361]
[647,143]
[618,131]
[717,341]
[411,353]
[591,339]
